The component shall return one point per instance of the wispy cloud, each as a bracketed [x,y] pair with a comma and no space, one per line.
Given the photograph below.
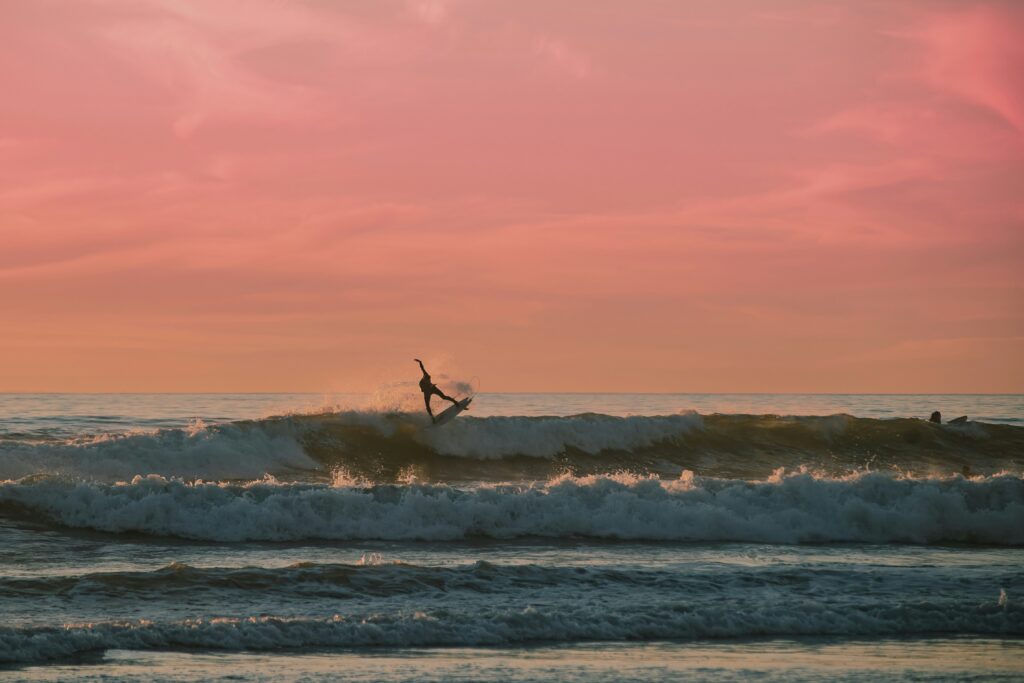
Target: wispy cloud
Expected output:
[975,52]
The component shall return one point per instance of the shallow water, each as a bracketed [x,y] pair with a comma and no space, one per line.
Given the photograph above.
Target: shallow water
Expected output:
[181,537]
[815,659]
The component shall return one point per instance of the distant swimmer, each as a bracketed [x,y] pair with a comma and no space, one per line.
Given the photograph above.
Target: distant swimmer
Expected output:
[936,417]
[430,389]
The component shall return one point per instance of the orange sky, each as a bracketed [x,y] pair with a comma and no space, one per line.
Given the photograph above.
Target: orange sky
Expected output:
[599,196]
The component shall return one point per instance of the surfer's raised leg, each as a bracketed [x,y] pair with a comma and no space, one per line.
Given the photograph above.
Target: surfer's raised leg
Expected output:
[445,396]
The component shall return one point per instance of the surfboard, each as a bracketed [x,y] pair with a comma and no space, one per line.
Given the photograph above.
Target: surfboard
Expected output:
[449,414]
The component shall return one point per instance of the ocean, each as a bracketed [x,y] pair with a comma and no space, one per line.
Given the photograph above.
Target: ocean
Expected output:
[569,537]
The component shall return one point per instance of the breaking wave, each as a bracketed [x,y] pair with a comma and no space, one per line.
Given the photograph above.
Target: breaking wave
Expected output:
[392,447]
[229,451]
[793,508]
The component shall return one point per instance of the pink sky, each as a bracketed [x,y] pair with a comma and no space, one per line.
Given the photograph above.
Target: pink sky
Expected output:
[599,196]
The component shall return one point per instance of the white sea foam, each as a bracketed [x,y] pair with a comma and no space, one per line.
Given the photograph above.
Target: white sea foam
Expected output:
[796,508]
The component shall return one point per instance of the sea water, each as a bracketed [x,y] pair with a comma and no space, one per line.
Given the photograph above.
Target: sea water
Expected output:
[536,537]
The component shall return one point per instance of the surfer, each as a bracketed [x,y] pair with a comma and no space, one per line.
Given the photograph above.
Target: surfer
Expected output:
[430,389]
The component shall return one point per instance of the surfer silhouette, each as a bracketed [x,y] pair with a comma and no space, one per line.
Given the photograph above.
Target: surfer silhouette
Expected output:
[430,389]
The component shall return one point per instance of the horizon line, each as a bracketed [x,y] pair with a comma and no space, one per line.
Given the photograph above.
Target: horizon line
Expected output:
[523,393]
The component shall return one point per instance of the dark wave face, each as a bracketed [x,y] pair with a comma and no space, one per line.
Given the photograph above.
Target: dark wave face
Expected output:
[379,447]
[373,577]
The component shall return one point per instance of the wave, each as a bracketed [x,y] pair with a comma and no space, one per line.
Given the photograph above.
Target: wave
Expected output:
[370,578]
[395,447]
[793,508]
[376,578]
[229,451]
[667,619]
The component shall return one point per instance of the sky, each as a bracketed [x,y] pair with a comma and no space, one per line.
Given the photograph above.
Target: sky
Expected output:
[719,196]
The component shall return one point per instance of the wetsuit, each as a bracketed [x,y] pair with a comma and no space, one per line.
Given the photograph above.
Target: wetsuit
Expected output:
[430,389]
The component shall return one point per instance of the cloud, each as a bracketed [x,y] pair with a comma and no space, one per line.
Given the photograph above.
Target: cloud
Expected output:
[183,52]
[975,53]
